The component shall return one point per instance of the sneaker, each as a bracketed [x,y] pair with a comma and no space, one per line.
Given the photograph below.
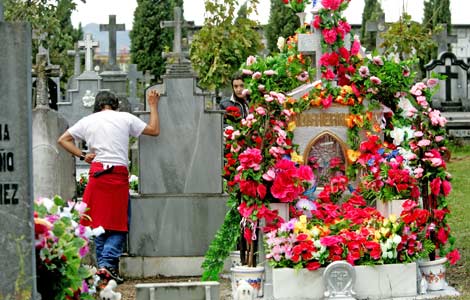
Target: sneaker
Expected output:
[110,273]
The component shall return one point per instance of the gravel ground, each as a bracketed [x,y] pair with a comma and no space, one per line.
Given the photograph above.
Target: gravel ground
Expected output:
[127,289]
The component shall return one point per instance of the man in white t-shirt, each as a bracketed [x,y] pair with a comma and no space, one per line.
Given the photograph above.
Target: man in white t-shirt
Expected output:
[106,132]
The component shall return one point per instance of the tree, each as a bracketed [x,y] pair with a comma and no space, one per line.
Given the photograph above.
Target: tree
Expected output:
[372,10]
[437,12]
[148,40]
[53,19]
[282,23]
[222,44]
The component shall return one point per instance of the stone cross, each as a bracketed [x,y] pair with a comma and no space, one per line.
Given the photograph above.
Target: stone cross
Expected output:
[443,40]
[112,28]
[178,24]
[88,44]
[133,75]
[378,27]
[42,98]
[449,76]
[76,63]
[148,78]
[41,37]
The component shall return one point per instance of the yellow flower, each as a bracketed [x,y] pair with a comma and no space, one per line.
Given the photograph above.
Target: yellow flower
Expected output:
[384,231]
[291,126]
[296,158]
[315,231]
[392,218]
[377,235]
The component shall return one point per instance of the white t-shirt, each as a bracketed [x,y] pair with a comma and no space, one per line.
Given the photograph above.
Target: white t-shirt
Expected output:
[107,135]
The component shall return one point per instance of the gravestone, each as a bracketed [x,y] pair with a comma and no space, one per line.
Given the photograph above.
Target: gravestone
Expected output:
[76,53]
[178,55]
[81,92]
[339,278]
[113,78]
[17,258]
[310,45]
[378,27]
[453,90]
[148,77]
[134,76]
[180,182]
[444,40]
[48,125]
[112,29]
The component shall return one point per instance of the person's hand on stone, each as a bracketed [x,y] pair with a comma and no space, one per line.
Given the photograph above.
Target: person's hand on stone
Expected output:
[153,98]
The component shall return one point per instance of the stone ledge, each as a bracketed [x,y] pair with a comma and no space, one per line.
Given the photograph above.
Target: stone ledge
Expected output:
[208,290]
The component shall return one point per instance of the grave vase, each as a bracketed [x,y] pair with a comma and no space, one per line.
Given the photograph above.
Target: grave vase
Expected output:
[254,276]
[301,16]
[434,272]
[387,208]
[235,259]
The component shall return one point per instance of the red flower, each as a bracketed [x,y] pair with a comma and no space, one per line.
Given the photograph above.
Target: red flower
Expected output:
[331,4]
[248,187]
[436,186]
[316,21]
[330,36]
[312,266]
[453,256]
[446,187]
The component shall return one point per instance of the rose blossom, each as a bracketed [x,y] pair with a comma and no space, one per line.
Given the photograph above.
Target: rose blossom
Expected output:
[250,60]
[364,71]
[432,82]
[256,75]
[260,110]
[269,72]
[424,143]
[247,72]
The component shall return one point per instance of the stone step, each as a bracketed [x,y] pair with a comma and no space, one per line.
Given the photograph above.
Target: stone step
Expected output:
[206,290]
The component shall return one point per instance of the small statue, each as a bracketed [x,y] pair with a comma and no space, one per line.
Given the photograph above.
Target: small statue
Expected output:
[244,291]
[108,294]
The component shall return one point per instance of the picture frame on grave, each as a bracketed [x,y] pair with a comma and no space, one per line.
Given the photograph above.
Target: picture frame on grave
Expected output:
[325,146]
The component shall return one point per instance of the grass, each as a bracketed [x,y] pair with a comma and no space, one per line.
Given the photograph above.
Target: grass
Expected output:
[458,275]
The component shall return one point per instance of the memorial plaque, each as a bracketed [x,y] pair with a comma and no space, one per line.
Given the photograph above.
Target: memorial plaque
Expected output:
[17,276]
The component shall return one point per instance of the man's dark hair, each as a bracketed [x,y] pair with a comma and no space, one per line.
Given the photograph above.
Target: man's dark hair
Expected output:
[104,98]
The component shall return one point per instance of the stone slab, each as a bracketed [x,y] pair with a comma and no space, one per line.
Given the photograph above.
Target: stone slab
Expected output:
[17,257]
[372,282]
[146,267]
[187,155]
[174,225]
[208,290]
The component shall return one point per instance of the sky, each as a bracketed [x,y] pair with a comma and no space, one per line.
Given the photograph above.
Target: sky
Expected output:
[97,11]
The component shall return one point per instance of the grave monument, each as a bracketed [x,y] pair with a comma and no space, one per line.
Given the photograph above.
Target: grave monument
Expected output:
[17,258]
[180,182]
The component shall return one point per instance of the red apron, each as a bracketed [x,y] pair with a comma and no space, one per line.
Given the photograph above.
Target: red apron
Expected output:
[107,197]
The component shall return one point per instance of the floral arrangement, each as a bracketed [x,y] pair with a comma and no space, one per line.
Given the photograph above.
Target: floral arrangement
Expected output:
[350,231]
[297,5]
[61,242]
[386,174]
[134,183]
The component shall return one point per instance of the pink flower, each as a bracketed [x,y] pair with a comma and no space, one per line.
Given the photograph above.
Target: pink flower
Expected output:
[256,75]
[418,134]
[331,4]
[269,175]
[453,256]
[436,118]
[439,138]
[446,187]
[303,76]
[377,60]
[424,143]
[260,110]
[246,92]
[432,82]
[269,72]
[418,172]
[305,173]
[250,158]
[356,46]
[330,36]
[247,72]
[326,102]
[364,71]
[250,60]
[375,80]
[436,186]
[328,74]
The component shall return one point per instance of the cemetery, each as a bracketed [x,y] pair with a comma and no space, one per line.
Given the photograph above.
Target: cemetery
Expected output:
[338,182]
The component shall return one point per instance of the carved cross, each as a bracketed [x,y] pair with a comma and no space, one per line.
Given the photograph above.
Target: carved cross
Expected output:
[112,28]
[77,62]
[148,77]
[449,76]
[133,75]
[178,24]
[378,27]
[41,36]
[88,44]
[443,40]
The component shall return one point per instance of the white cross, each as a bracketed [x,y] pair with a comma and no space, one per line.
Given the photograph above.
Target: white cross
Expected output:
[88,44]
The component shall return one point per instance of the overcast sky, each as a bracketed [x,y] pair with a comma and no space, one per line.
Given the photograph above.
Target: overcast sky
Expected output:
[97,11]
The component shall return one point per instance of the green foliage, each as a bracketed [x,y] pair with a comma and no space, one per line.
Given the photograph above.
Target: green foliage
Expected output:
[52,18]
[224,241]
[148,39]
[282,23]
[222,44]
[372,10]
[408,39]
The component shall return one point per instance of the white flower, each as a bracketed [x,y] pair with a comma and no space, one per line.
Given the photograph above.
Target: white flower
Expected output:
[48,203]
[396,239]
[133,178]
[280,43]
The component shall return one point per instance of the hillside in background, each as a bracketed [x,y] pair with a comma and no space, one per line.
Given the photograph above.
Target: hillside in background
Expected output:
[122,38]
